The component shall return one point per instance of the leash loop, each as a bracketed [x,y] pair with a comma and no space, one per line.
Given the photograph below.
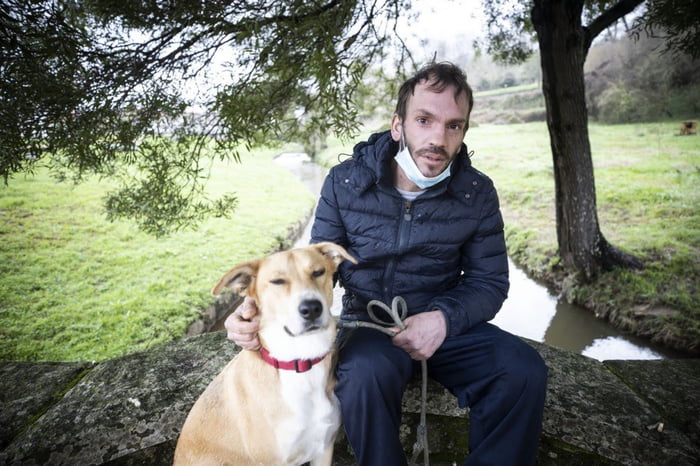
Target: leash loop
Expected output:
[393,311]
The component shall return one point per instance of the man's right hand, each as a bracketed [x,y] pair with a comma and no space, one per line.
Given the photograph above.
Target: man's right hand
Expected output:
[243,324]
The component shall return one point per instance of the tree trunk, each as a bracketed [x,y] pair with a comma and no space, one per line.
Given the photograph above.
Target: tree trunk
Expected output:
[563,48]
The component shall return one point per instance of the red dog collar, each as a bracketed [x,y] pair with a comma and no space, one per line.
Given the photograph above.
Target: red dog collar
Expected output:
[299,365]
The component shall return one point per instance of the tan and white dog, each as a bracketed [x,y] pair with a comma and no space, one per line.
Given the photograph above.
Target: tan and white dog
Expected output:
[275,406]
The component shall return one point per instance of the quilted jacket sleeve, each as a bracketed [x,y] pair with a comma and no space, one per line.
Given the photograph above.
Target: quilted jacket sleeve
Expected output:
[328,226]
[484,284]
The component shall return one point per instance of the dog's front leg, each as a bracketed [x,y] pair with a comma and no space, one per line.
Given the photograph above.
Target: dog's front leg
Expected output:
[325,459]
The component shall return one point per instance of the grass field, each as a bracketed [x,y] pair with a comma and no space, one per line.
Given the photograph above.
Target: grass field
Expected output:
[506,90]
[75,287]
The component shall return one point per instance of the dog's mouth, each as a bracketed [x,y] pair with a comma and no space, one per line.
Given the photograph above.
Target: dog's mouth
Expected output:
[305,330]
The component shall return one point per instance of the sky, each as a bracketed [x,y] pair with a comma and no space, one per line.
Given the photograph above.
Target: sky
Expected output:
[443,19]
[456,23]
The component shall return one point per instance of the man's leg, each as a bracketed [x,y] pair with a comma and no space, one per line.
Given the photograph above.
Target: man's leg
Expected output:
[503,380]
[372,376]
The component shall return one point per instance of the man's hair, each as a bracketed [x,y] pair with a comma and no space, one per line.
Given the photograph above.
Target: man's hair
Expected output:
[439,76]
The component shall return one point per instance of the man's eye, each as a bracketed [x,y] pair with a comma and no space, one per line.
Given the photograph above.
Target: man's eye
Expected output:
[318,273]
[278,281]
[422,121]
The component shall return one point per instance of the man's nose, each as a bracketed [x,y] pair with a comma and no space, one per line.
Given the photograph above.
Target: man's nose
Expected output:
[438,136]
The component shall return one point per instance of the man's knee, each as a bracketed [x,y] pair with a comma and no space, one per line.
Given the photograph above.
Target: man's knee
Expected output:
[527,371]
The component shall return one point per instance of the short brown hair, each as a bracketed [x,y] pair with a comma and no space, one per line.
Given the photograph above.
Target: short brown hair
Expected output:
[440,75]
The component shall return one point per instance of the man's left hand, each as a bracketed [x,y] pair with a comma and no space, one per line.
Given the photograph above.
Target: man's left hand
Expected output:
[423,335]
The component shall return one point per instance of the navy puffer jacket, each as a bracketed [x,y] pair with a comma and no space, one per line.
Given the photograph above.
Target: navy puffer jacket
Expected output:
[445,250]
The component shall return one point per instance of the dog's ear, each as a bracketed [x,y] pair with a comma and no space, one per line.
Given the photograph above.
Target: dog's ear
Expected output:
[238,279]
[335,253]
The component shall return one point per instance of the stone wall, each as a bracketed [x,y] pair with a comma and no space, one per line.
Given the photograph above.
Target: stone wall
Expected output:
[129,410]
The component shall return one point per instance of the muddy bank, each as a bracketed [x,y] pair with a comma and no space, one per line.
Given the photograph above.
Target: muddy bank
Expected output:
[661,325]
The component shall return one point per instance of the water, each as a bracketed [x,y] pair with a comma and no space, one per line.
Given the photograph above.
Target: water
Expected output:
[531,310]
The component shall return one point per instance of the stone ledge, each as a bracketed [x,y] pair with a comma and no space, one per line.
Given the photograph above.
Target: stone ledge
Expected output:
[29,389]
[129,410]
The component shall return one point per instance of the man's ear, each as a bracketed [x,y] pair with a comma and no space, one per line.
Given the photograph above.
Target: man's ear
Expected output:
[396,127]
[239,279]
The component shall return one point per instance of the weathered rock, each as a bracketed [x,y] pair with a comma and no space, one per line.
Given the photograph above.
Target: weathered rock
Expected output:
[134,405]
[28,389]
[671,386]
[129,410]
[592,411]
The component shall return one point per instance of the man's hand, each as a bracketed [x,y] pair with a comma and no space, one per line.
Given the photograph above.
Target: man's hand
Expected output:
[423,335]
[243,324]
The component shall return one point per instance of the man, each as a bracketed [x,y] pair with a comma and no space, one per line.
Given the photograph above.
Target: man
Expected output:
[423,224]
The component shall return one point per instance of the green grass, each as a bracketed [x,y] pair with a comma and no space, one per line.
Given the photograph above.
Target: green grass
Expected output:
[76,287]
[507,90]
[648,194]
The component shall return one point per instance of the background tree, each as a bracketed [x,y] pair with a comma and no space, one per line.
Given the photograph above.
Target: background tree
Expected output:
[565,30]
[563,45]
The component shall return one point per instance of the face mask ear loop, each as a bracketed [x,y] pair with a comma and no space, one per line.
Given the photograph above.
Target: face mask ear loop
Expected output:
[402,141]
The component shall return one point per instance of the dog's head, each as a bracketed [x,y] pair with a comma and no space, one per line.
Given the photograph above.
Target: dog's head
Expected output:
[293,289]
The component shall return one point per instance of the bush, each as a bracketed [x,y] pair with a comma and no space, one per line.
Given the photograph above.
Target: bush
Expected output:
[619,104]
[632,81]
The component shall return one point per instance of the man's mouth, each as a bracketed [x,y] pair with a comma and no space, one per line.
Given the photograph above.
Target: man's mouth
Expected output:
[433,158]
[433,154]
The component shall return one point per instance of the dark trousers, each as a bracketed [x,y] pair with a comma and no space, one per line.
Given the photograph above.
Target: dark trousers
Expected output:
[502,379]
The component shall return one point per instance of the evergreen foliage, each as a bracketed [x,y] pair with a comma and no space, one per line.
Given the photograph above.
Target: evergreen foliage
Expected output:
[102,87]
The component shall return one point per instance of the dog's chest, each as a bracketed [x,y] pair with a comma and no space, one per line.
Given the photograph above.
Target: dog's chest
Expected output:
[314,416]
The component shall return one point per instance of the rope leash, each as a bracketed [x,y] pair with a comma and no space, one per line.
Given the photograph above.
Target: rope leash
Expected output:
[398,316]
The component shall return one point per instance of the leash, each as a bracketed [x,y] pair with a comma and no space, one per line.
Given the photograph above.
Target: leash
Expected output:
[398,316]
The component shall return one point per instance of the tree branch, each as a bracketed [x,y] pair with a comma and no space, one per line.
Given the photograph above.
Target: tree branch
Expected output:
[281,18]
[608,17]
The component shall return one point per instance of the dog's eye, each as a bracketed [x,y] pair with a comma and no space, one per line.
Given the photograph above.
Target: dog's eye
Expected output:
[318,273]
[278,281]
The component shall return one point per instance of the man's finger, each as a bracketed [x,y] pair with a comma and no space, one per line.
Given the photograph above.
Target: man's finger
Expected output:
[247,309]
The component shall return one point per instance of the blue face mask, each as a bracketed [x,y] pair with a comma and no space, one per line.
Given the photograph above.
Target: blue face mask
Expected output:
[411,170]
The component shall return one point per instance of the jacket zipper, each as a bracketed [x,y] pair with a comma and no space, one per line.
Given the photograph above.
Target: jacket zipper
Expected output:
[402,239]
[407,211]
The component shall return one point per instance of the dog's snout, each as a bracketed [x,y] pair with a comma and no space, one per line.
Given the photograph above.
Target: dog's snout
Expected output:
[310,309]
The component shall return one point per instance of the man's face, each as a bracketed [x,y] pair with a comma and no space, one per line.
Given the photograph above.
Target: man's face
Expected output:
[433,128]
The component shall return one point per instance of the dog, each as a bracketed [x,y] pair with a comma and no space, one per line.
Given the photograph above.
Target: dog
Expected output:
[275,406]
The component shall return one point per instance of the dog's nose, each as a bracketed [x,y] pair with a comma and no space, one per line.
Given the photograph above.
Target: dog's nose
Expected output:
[310,309]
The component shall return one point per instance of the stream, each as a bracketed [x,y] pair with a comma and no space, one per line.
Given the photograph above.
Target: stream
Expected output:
[531,310]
